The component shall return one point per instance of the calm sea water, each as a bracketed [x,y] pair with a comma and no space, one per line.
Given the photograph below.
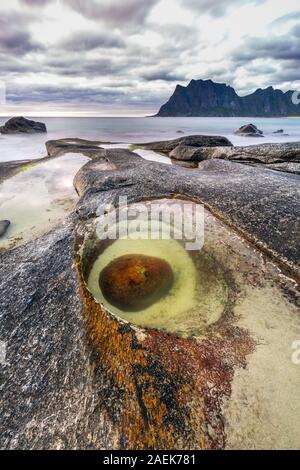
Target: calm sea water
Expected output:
[131,130]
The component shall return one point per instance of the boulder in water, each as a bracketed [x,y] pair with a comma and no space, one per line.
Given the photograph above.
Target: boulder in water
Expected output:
[20,125]
[249,130]
[166,146]
[134,282]
[4,224]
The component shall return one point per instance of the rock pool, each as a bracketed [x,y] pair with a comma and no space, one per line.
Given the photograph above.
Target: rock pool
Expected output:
[38,197]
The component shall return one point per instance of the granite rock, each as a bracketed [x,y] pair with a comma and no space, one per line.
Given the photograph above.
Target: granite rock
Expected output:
[192,141]
[20,125]
[249,130]
[4,224]
[76,377]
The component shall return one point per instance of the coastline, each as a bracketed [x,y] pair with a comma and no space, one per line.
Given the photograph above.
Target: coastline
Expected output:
[133,129]
[126,361]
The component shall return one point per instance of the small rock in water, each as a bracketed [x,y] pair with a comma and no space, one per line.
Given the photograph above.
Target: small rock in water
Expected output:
[280,131]
[134,282]
[249,130]
[4,224]
[17,125]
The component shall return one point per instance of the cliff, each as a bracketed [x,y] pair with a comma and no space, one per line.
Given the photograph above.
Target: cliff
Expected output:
[207,98]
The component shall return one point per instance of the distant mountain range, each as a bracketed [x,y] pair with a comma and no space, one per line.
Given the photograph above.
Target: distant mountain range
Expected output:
[207,98]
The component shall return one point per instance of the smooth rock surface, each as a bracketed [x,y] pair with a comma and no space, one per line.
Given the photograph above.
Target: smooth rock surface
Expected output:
[191,141]
[20,125]
[262,204]
[265,153]
[60,146]
[75,378]
[186,153]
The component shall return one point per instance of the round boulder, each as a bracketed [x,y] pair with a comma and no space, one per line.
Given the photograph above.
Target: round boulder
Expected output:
[249,130]
[4,224]
[134,282]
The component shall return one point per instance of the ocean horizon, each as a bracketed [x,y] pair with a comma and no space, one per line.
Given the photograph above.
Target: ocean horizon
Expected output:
[129,130]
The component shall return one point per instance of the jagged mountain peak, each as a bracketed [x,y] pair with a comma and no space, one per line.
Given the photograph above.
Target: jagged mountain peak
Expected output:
[208,98]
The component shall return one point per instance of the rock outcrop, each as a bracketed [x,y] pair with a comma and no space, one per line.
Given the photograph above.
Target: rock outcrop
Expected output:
[187,153]
[20,125]
[167,146]
[207,98]
[4,224]
[288,167]
[249,130]
[265,153]
[60,146]
[90,380]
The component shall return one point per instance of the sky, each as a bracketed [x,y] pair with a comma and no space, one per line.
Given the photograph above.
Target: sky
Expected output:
[124,58]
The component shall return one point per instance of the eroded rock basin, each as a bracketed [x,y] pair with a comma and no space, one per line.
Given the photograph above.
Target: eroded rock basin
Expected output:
[195,299]
[243,313]
[197,296]
[185,379]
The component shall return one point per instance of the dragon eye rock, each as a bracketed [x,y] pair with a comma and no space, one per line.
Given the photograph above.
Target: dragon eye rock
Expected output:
[134,282]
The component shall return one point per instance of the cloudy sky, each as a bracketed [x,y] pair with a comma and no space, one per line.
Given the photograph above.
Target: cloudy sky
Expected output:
[113,57]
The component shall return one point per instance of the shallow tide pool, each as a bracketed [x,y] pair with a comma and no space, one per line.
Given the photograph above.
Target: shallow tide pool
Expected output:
[227,283]
[38,197]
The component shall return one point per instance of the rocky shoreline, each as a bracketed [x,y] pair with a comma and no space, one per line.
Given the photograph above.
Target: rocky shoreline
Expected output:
[282,157]
[90,380]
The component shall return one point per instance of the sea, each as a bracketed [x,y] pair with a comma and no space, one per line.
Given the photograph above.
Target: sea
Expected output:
[129,130]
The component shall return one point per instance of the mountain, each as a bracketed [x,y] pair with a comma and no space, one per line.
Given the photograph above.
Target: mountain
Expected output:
[207,98]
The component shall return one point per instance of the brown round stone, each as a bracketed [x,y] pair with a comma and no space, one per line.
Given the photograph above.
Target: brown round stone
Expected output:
[134,282]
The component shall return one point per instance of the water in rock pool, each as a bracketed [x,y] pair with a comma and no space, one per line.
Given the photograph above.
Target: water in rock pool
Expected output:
[38,197]
[196,297]
[189,289]
[253,295]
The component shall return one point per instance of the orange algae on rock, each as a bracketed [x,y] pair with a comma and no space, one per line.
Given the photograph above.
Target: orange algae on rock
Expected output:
[160,390]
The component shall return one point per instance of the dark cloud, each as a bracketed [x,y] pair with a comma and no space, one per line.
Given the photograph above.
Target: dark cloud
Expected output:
[277,48]
[220,75]
[164,75]
[279,57]
[73,65]
[296,31]
[121,13]
[86,96]
[11,65]
[35,3]
[62,93]
[86,41]
[288,73]
[19,42]
[15,37]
